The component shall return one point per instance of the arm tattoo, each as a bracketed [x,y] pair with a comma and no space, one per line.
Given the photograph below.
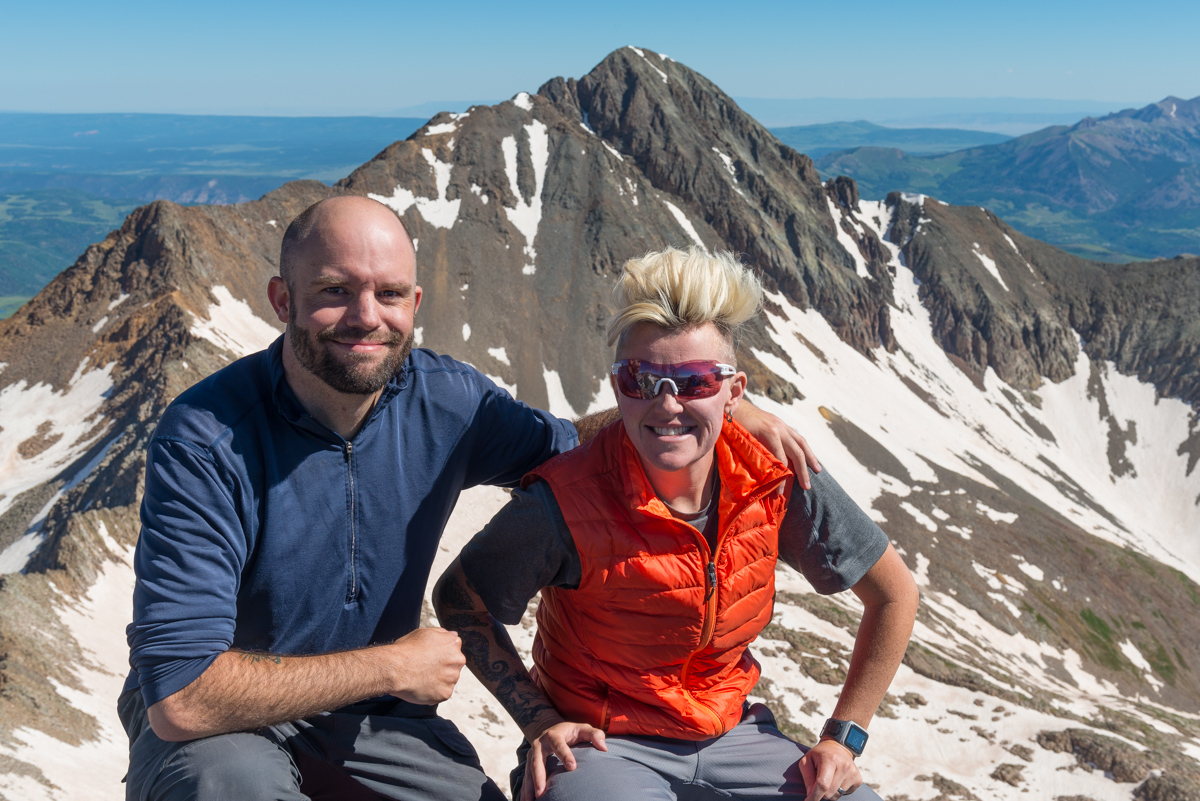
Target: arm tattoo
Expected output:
[489,650]
[255,658]
[523,700]
[454,595]
[475,647]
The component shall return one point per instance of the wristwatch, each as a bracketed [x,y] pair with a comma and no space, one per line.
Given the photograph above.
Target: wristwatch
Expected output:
[846,732]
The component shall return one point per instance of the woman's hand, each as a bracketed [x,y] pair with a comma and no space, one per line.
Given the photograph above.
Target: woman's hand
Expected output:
[827,768]
[557,741]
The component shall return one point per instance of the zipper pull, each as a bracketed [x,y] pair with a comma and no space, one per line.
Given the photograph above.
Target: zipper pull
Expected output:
[348,450]
[712,581]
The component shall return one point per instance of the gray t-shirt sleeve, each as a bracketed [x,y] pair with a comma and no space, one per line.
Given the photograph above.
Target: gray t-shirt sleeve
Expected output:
[525,547]
[828,537]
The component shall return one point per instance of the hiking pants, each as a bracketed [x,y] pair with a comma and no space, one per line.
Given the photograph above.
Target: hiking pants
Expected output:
[367,751]
[753,760]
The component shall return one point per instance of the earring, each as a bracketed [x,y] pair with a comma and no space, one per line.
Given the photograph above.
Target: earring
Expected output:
[728,416]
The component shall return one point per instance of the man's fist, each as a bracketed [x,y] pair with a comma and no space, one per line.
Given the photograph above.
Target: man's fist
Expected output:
[428,664]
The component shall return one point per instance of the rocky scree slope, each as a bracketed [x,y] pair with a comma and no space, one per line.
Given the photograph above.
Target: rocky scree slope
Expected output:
[521,213]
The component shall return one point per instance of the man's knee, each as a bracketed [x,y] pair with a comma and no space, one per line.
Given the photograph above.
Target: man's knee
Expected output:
[240,765]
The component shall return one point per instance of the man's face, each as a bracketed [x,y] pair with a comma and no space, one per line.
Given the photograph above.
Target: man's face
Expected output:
[351,300]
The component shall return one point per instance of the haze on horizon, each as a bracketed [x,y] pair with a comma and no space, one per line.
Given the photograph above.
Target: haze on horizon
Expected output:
[306,58]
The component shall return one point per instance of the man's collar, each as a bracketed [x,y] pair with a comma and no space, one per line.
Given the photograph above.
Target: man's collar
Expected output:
[289,406]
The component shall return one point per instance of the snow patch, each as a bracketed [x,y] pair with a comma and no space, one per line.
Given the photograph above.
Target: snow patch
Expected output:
[526,216]
[122,298]
[233,326]
[847,242]
[684,223]
[419,335]
[522,100]
[919,516]
[438,211]
[466,332]
[993,515]
[93,769]
[500,355]
[559,406]
[14,558]
[612,150]
[56,428]
[1033,571]
[989,264]
[728,162]
[651,64]
[96,328]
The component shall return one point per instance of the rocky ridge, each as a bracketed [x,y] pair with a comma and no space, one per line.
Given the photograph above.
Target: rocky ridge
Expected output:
[521,213]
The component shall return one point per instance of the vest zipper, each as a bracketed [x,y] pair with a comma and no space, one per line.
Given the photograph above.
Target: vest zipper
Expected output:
[710,602]
[606,712]
[352,593]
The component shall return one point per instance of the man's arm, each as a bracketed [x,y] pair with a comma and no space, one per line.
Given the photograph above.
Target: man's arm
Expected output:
[775,435]
[589,425]
[889,595]
[780,439]
[494,660]
[244,690]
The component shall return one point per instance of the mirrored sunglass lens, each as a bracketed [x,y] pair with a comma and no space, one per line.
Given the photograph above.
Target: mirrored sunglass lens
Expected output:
[639,379]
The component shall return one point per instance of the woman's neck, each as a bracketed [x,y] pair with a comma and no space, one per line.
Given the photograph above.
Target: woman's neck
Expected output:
[687,491]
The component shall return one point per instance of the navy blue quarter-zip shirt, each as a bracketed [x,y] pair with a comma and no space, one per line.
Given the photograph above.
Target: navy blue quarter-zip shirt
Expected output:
[264,530]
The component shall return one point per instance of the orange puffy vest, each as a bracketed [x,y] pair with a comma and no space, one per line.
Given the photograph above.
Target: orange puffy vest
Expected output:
[654,640]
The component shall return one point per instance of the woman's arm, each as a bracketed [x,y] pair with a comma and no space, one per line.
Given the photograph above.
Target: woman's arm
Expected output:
[490,652]
[889,595]
[494,660]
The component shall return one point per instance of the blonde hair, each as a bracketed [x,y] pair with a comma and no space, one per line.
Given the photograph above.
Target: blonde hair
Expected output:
[678,289]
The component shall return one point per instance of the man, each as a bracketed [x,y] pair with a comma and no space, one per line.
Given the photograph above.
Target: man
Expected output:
[293,505]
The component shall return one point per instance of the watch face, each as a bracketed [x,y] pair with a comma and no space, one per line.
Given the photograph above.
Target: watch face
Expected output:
[856,739]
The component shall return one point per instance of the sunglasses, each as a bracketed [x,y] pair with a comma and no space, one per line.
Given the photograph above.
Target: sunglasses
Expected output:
[644,380]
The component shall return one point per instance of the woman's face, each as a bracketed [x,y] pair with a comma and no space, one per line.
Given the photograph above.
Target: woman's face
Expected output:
[670,433]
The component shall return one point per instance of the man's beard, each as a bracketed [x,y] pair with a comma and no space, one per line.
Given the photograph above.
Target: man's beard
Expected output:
[351,376]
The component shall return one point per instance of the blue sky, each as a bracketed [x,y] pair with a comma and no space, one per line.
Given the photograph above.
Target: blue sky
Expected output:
[377,57]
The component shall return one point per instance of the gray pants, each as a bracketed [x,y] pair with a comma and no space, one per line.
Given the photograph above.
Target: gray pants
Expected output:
[754,760]
[367,751]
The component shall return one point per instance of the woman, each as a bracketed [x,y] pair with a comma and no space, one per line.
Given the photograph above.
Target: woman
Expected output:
[654,547]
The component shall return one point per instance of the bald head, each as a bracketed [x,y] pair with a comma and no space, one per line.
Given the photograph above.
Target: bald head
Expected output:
[323,223]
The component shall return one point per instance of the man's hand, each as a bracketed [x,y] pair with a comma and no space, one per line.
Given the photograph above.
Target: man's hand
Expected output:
[780,439]
[429,661]
[556,741]
[828,768]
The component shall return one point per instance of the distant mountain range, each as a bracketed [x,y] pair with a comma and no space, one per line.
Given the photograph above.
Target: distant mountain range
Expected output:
[1124,185]
[1011,116]
[1022,423]
[816,141]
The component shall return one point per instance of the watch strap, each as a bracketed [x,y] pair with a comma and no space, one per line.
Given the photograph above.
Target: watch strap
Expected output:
[846,733]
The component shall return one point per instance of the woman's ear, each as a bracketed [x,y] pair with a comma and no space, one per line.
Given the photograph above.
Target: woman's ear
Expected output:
[737,391]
